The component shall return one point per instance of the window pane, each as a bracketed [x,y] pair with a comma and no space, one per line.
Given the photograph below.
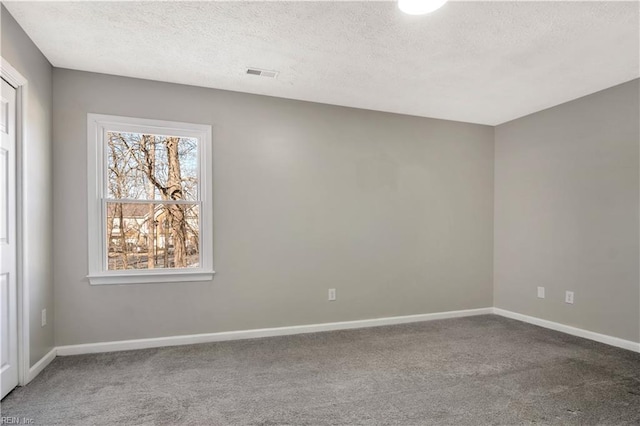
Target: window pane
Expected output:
[151,167]
[151,236]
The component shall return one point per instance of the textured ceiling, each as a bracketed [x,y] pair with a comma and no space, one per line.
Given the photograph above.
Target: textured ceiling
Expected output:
[481,62]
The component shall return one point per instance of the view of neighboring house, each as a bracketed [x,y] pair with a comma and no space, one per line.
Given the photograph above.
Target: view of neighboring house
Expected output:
[136,230]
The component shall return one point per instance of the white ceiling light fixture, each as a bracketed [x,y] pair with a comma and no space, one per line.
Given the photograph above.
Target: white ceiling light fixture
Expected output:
[419,7]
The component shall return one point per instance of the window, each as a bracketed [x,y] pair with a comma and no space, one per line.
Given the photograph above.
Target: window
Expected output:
[149,188]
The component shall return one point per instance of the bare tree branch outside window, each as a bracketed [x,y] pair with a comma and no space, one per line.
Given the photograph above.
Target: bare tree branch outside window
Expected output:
[152,207]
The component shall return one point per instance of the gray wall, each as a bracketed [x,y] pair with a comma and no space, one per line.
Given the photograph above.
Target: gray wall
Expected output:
[566,212]
[25,57]
[396,212]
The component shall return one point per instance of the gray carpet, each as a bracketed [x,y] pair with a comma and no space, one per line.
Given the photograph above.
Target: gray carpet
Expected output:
[467,371]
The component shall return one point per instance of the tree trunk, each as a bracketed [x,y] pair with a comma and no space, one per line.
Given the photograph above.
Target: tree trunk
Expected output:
[123,238]
[176,211]
[165,237]
[149,142]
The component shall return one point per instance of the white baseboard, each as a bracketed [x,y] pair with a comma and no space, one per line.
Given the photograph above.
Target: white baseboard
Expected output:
[40,365]
[125,345]
[579,332]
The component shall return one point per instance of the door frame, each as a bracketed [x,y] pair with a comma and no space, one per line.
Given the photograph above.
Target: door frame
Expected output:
[17,80]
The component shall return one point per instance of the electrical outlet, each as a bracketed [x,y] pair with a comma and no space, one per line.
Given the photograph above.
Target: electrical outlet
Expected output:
[332,294]
[44,317]
[541,292]
[568,297]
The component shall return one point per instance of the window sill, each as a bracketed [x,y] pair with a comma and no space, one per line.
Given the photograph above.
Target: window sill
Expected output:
[150,277]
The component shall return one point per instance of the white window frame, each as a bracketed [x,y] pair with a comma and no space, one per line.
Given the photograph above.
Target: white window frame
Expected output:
[97,127]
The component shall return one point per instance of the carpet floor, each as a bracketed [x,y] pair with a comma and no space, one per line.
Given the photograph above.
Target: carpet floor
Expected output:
[483,370]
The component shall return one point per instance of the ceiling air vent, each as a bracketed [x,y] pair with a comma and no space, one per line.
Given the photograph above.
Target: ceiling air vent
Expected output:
[262,73]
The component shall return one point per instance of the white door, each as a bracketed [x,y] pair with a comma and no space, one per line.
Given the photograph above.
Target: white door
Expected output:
[8,282]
